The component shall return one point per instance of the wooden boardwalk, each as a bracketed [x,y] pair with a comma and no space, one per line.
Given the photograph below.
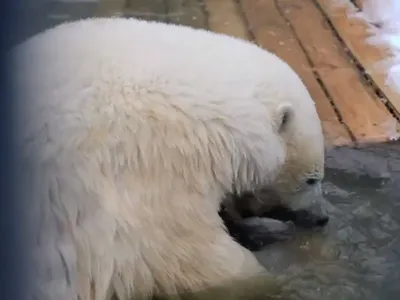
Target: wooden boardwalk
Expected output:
[316,38]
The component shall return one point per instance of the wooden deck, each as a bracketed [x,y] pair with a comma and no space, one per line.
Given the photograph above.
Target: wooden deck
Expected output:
[318,40]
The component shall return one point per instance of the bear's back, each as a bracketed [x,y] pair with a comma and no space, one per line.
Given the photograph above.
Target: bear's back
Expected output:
[85,74]
[128,53]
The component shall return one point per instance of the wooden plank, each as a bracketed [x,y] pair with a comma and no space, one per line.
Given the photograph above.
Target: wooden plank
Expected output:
[224,17]
[186,12]
[354,32]
[109,8]
[154,10]
[272,33]
[361,109]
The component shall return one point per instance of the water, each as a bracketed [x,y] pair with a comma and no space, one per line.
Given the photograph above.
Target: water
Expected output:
[358,255]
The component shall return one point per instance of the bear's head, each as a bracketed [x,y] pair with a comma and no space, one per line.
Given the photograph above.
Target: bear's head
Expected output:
[297,185]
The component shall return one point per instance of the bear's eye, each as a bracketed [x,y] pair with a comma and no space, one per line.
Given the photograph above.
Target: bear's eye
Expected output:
[312,181]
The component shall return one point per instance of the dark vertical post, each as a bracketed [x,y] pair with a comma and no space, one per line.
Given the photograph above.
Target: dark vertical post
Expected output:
[13,247]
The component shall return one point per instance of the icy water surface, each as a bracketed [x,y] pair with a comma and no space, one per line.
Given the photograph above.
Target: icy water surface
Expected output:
[358,255]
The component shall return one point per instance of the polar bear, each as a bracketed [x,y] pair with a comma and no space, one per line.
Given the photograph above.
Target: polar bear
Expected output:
[132,133]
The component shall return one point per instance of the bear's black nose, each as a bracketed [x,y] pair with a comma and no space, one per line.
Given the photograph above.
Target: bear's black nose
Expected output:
[322,221]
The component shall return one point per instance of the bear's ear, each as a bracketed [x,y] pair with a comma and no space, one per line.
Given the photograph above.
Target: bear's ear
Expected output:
[284,116]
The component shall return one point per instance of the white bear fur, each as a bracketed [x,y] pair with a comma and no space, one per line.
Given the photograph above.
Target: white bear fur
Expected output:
[132,133]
